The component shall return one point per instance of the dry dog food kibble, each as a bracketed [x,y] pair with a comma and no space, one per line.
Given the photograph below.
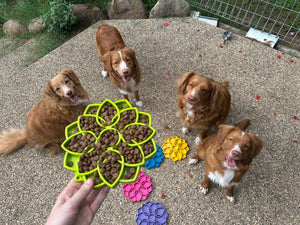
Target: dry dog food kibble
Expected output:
[132,155]
[147,148]
[130,172]
[90,123]
[109,166]
[82,143]
[137,133]
[143,119]
[88,162]
[107,112]
[93,111]
[126,117]
[109,138]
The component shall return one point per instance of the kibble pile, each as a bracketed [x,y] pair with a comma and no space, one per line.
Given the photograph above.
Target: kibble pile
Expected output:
[110,142]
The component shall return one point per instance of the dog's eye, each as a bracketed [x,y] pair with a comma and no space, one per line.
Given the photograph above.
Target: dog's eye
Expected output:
[191,85]
[231,139]
[66,81]
[127,60]
[115,63]
[57,89]
[203,90]
[246,146]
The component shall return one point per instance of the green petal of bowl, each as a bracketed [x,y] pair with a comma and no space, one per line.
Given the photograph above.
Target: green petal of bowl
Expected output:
[103,143]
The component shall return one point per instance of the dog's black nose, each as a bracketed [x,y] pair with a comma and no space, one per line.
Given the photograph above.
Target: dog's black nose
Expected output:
[69,93]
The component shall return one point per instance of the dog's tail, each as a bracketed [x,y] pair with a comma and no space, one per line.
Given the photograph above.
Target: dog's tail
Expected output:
[12,141]
[242,124]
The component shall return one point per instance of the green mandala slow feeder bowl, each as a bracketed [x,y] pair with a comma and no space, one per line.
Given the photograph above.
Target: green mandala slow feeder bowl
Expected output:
[109,143]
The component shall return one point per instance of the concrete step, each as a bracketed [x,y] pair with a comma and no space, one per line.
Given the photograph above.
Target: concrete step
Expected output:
[15,55]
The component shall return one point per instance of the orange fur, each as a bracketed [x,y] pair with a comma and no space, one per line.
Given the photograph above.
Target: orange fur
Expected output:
[65,100]
[230,150]
[112,52]
[202,102]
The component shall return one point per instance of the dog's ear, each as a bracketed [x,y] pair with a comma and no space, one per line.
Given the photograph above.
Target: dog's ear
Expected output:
[106,60]
[71,75]
[215,94]
[132,56]
[218,94]
[257,146]
[183,81]
[50,92]
[223,131]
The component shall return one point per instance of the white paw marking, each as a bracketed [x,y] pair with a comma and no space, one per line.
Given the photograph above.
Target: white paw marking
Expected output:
[198,141]
[231,199]
[185,130]
[203,190]
[193,161]
[139,103]
[177,114]
[104,73]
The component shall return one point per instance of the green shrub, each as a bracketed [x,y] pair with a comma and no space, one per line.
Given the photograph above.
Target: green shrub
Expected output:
[60,18]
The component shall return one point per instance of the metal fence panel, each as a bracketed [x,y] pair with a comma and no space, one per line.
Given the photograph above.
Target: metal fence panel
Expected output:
[277,17]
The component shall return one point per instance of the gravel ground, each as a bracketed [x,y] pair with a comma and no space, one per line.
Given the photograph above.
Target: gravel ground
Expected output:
[268,193]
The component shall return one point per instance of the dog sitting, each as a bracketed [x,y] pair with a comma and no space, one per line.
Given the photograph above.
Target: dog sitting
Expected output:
[118,61]
[202,103]
[65,100]
[228,154]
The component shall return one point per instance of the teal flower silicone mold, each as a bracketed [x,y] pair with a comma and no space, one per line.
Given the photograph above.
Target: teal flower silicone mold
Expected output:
[109,143]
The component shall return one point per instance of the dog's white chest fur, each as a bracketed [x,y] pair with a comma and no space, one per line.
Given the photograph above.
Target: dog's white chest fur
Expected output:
[225,180]
[189,112]
[130,85]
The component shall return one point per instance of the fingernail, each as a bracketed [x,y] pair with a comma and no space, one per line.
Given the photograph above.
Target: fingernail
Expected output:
[89,181]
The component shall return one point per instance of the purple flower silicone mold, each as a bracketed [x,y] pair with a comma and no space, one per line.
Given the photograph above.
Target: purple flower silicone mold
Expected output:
[139,190]
[151,213]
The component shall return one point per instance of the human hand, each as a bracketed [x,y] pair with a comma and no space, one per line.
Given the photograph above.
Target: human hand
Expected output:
[77,204]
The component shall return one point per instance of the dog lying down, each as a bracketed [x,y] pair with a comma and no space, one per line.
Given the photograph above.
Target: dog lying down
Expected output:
[228,154]
[65,100]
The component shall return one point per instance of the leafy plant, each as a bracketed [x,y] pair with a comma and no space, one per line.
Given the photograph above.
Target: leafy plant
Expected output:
[60,17]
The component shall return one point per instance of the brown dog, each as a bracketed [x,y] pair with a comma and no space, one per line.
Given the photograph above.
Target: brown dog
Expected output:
[65,100]
[119,61]
[228,154]
[202,102]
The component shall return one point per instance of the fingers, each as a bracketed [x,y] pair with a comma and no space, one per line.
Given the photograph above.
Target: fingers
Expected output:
[100,198]
[69,191]
[82,193]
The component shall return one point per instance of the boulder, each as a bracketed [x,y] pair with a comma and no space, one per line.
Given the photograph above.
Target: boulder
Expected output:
[14,28]
[126,9]
[170,8]
[87,16]
[36,26]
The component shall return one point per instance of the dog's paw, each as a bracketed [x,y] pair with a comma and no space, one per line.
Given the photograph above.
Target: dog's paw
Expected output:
[198,141]
[230,198]
[203,190]
[104,73]
[139,103]
[193,161]
[185,130]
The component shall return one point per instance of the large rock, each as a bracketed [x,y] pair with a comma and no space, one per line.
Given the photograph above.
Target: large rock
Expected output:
[36,26]
[126,9]
[14,28]
[86,16]
[170,8]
